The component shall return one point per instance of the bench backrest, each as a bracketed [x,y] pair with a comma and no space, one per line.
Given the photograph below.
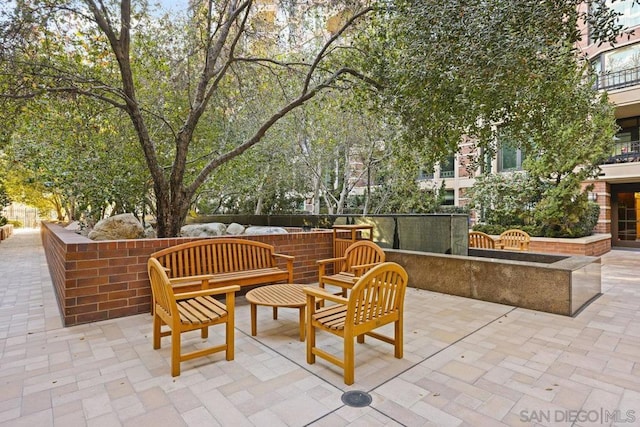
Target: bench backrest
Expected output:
[515,239]
[211,256]
[478,239]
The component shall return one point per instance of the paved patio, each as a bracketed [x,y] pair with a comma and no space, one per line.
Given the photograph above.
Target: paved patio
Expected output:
[466,362]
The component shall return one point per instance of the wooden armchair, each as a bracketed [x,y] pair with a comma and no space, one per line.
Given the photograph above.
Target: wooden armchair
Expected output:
[357,259]
[478,239]
[514,239]
[187,312]
[375,300]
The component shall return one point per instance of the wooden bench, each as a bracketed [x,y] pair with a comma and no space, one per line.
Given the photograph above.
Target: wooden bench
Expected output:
[220,262]
[478,239]
[515,240]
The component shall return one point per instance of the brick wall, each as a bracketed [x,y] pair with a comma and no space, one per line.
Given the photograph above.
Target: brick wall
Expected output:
[595,245]
[104,280]
[108,279]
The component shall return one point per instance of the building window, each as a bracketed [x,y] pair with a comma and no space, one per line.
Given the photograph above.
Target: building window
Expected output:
[425,174]
[447,167]
[510,159]
[449,198]
[629,15]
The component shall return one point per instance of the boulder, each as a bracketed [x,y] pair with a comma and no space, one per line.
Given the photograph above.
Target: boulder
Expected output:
[264,230]
[203,230]
[74,226]
[235,229]
[123,226]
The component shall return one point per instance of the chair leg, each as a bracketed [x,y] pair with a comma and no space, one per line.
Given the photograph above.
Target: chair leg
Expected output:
[230,326]
[361,339]
[311,331]
[157,323]
[204,332]
[399,339]
[349,360]
[175,352]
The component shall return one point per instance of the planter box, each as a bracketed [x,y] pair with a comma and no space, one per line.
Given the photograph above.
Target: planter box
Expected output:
[550,283]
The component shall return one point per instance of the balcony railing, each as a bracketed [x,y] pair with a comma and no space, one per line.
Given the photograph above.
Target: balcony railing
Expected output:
[624,152]
[618,79]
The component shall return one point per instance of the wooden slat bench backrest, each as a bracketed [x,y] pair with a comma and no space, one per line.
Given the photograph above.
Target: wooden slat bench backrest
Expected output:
[211,256]
[478,239]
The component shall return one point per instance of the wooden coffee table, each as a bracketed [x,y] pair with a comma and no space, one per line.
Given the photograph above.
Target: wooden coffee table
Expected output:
[282,295]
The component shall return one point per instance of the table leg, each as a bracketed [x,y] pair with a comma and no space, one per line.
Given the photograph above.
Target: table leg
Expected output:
[275,313]
[253,319]
[302,322]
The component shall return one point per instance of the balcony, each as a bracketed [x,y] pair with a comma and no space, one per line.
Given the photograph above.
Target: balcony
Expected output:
[618,79]
[624,152]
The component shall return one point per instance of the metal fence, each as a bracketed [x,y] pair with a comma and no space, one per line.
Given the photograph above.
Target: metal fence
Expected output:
[27,216]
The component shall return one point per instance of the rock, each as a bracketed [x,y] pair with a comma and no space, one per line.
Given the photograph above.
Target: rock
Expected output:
[123,226]
[264,230]
[150,233]
[74,226]
[203,230]
[235,229]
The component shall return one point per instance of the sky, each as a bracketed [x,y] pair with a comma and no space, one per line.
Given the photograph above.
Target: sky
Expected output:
[174,4]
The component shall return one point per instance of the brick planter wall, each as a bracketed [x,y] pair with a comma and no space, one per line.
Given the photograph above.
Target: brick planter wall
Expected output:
[108,279]
[104,280]
[594,245]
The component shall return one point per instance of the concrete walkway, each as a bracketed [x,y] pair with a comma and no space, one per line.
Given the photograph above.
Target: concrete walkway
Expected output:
[466,362]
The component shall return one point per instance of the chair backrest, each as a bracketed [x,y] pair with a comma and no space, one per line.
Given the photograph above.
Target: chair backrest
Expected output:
[515,238]
[362,252]
[478,239]
[217,255]
[161,288]
[379,293]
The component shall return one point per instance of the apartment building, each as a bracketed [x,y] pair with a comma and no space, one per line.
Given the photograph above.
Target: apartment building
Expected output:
[617,189]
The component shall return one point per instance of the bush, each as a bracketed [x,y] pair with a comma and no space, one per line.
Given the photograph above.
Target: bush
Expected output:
[588,221]
[584,227]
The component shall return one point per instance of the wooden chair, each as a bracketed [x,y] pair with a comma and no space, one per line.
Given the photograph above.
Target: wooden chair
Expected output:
[478,239]
[187,312]
[375,300]
[357,259]
[514,239]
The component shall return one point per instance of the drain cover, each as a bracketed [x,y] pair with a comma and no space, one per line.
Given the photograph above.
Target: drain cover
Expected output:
[356,398]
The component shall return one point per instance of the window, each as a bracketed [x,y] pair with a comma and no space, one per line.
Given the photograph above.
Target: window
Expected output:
[447,167]
[510,159]
[425,174]
[629,14]
[449,198]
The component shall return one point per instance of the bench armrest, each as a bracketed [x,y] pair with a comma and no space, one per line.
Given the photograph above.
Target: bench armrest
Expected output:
[204,279]
[208,292]
[289,259]
[286,257]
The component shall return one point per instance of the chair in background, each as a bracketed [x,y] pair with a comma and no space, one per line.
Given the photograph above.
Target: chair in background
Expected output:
[358,258]
[376,299]
[478,239]
[187,312]
[515,240]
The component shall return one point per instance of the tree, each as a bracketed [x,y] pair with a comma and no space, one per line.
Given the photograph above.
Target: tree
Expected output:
[70,152]
[168,77]
[493,69]
[456,68]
